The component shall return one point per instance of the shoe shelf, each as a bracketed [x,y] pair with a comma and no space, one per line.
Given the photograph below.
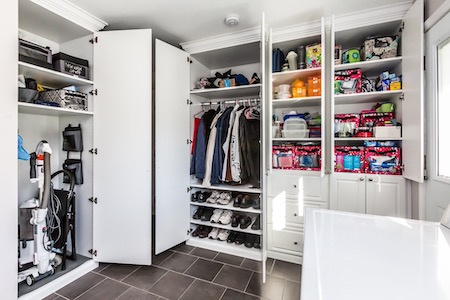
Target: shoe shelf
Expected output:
[372,66]
[51,78]
[367,97]
[297,102]
[225,247]
[289,76]
[227,207]
[226,187]
[228,227]
[228,92]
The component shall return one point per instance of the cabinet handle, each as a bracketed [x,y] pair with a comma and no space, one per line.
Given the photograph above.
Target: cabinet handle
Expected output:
[370,179]
[295,186]
[295,243]
[295,214]
[361,178]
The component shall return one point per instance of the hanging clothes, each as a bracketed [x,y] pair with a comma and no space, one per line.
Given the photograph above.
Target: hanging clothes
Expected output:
[194,134]
[201,141]
[219,155]
[210,151]
[235,156]
[249,138]
[226,147]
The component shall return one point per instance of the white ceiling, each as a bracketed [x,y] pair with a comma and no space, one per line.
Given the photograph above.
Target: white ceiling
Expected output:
[177,21]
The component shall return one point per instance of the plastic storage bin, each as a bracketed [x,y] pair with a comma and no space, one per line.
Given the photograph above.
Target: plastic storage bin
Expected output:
[295,124]
[300,133]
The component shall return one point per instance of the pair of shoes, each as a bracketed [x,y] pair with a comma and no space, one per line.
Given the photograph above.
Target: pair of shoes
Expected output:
[203,213]
[246,201]
[257,224]
[221,216]
[219,234]
[249,240]
[241,220]
[202,196]
[222,198]
[201,231]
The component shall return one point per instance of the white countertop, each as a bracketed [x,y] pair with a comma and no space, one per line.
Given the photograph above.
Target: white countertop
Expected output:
[351,256]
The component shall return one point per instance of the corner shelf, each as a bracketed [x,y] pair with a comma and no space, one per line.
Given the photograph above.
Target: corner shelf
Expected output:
[367,97]
[229,92]
[228,207]
[289,76]
[297,102]
[51,78]
[43,110]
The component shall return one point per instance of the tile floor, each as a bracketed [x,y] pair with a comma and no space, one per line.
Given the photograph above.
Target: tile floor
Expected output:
[188,273]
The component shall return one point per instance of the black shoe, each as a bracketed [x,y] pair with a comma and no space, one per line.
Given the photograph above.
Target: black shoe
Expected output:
[256,204]
[255,79]
[198,213]
[194,196]
[232,237]
[237,201]
[250,241]
[257,224]
[197,230]
[206,216]
[245,222]
[257,243]
[202,196]
[235,220]
[246,202]
[240,238]
[204,232]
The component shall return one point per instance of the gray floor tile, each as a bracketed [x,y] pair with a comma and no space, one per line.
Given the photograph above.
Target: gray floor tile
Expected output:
[135,294]
[235,295]
[81,285]
[236,278]
[229,259]
[145,277]
[183,248]
[291,290]
[203,290]
[158,259]
[51,297]
[118,272]
[287,270]
[179,262]
[101,267]
[171,285]
[257,265]
[272,289]
[204,269]
[204,253]
[108,289]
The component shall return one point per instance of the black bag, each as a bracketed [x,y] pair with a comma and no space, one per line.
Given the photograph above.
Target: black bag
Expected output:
[75,166]
[72,139]
[277,60]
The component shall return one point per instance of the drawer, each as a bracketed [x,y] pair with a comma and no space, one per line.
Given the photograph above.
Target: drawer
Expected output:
[284,211]
[294,186]
[287,241]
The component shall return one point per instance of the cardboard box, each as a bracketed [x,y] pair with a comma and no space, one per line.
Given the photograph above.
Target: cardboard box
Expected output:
[387,131]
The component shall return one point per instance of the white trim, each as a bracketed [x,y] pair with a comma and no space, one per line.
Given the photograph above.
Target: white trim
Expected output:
[60,282]
[297,31]
[295,259]
[383,14]
[72,13]
[223,41]
[437,15]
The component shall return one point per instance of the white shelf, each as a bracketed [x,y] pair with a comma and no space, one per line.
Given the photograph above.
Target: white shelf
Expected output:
[226,187]
[229,92]
[367,97]
[289,76]
[296,172]
[51,78]
[228,207]
[297,102]
[368,139]
[372,66]
[296,139]
[43,110]
[228,227]
[225,247]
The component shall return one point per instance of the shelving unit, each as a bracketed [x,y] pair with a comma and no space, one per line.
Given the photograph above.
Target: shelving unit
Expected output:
[372,66]
[238,250]
[296,139]
[246,188]
[296,102]
[228,227]
[289,76]
[367,97]
[43,110]
[228,207]
[367,139]
[229,92]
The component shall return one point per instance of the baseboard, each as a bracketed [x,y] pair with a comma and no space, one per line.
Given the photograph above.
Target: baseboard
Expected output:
[60,282]
[285,257]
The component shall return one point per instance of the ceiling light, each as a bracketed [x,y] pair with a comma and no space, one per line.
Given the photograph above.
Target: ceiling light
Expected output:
[232,20]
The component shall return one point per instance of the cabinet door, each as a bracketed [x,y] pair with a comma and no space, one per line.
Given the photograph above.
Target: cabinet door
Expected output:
[413,106]
[386,196]
[172,69]
[322,103]
[347,192]
[122,133]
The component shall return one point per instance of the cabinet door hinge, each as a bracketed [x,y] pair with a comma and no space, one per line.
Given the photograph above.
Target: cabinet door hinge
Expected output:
[425,177]
[402,167]
[188,102]
[188,189]
[402,27]
[93,200]
[93,252]
[94,40]
[424,63]
[402,97]
[94,92]
[189,60]
[93,151]
[188,141]
[188,232]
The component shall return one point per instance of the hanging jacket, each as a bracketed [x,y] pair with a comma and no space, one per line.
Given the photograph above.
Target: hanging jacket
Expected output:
[235,157]
[226,145]
[221,135]
[199,155]
[210,151]
[250,145]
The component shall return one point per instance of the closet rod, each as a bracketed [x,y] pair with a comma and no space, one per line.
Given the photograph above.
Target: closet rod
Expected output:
[229,101]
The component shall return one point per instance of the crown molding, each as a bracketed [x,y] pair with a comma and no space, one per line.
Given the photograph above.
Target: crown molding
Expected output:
[297,31]
[223,41]
[383,14]
[72,13]
[437,15]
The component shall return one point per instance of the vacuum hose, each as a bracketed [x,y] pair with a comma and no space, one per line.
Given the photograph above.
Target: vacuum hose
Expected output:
[47,181]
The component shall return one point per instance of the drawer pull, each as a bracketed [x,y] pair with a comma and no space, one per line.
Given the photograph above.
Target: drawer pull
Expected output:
[295,186]
[361,178]
[295,243]
[370,179]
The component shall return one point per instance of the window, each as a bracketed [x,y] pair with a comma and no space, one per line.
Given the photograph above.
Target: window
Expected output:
[443,110]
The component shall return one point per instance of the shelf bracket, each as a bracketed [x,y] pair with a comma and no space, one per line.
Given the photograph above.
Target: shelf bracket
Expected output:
[402,27]
[93,151]
[94,92]
[94,40]
[93,200]
[188,231]
[93,252]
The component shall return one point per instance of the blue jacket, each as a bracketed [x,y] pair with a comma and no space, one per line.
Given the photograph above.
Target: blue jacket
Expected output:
[221,136]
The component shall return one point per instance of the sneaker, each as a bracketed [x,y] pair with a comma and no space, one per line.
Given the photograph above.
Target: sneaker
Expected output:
[224,198]
[202,196]
[213,234]
[194,196]
[237,200]
[198,213]
[213,198]
[223,234]
[207,214]
[216,215]
[225,218]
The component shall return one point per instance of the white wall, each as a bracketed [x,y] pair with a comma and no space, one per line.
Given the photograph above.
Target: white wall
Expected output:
[8,150]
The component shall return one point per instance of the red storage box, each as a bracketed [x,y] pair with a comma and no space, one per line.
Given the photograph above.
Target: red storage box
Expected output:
[382,160]
[308,158]
[283,157]
[349,159]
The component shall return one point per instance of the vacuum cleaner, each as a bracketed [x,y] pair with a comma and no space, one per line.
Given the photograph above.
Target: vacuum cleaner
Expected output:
[37,257]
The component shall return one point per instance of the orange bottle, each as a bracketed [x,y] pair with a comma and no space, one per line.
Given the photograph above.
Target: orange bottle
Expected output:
[298,89]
